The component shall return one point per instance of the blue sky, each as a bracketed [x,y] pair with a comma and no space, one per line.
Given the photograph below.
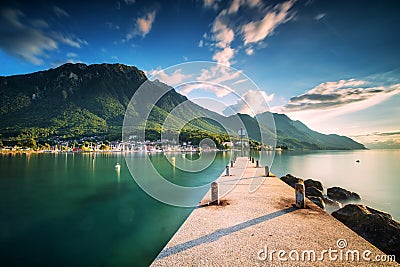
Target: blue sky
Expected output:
[334,65]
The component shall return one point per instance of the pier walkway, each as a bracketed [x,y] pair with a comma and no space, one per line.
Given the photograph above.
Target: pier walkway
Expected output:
[263,228]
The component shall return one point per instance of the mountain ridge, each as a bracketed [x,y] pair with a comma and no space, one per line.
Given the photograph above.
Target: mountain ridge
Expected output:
[78,99]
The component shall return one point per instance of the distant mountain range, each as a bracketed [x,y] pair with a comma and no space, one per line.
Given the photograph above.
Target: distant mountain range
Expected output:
[77,100]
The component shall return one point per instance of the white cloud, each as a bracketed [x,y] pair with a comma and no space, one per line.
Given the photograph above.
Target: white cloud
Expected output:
[256,31]
[224,56]
[347,94]
[21,40]
[336,106]
[112,26]
[211,4]
[219,75]
[39,23]
[229,24]
[129,2]
[234,7]
[173,79]
[60,12]
[239,81]
[142,26]
[236,4]
[27,42]
[70,40]
[249,51]
[386,140]
[251,102]
[320,16]
[218,90]
[72,55]
[223,35]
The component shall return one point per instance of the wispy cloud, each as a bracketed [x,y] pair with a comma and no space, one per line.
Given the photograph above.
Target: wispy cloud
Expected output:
[22,40]
[331,95]
[72,55]
[230,25]
[211,4]
[346,106]
[217,89]
[28,41]
[129,2]
[224,56]
[70,40]
[60,12]
[249,51]
[257,31]
[320,16]
[223,35]
[378,134]
[112,26]
[220,75]
[39,23]
[172,79]
[142,26]
[386,140]
[250,103]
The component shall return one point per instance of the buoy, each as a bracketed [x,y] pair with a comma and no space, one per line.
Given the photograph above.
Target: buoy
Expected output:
[117,167]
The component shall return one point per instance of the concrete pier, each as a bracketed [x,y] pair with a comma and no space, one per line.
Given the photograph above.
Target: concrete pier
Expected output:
[264,228]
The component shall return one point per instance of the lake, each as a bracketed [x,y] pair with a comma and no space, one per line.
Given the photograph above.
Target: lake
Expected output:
[68,209]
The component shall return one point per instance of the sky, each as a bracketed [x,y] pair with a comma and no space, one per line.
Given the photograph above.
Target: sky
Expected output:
[334,65]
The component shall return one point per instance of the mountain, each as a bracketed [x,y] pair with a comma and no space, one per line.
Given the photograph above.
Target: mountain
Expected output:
[295,134]
[76,100]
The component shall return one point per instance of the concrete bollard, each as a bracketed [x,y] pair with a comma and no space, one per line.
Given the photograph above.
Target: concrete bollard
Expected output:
[231,163]
[227,170]
[266,171]
[252,160]
[214,193]
[257,164]
[300,192]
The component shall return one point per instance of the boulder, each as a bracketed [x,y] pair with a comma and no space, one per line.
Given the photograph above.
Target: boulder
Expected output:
[333,204]
[340,194]
[314,183]
[318,201]
[378,227]
[291,180]
[355,196]
[312,191]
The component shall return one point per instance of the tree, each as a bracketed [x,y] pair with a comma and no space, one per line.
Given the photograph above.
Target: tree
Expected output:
[104,147]
[31,143]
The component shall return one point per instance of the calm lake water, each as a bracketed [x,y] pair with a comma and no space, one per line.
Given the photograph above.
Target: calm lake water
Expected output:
[67,209]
